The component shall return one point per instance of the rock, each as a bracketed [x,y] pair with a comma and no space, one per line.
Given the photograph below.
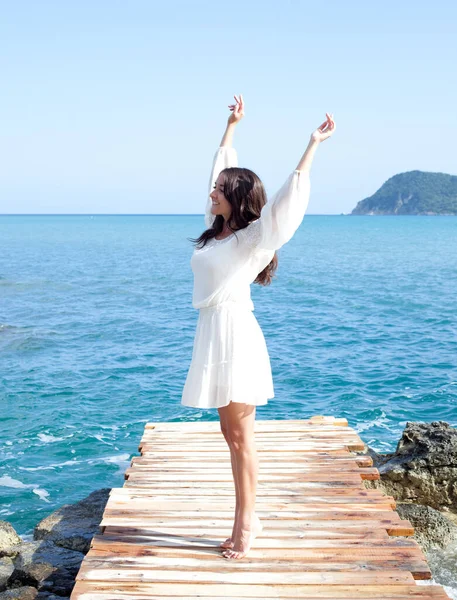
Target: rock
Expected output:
[47,567]
[423,469]
[8,539]
[6,568]
[20,593]
[431,528]
[73,526]
[46,596]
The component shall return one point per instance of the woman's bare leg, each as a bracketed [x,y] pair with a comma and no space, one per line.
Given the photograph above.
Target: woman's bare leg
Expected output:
[239,419]
[229,541]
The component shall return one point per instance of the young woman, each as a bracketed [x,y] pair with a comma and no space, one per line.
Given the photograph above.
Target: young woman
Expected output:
[230,368]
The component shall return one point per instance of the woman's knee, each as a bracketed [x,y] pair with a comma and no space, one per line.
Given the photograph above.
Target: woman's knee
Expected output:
[240,438]
[224,427]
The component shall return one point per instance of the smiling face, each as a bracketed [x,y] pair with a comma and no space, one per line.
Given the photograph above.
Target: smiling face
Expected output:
[220,204]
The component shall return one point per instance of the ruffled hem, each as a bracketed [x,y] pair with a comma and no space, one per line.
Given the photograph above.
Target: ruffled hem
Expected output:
[244,401]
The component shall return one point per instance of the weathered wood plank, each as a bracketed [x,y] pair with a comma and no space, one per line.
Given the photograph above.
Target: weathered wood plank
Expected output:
[295,459]
[136,506]
[221,530]
[272,499]
[280,490]
[394,525]
[279,476]
[188,591]
[237,576]
[285,562]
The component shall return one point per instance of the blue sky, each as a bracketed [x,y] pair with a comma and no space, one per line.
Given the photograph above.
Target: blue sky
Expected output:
[118,107]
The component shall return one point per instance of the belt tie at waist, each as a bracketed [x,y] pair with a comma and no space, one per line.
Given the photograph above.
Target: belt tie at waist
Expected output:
[228,304]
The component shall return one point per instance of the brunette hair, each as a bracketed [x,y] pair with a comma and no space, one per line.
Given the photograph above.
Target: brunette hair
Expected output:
[245,192]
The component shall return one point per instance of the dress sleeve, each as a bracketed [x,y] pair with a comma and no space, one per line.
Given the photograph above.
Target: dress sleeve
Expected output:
[283,213]
[225,157]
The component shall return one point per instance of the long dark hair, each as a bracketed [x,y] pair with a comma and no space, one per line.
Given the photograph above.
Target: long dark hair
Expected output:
[245,192]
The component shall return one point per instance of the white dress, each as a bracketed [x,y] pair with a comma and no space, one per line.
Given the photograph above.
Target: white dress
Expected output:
[230,360]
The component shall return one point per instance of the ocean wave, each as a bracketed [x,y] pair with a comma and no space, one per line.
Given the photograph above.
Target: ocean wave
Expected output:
[51,467]
[122,460]
[49,438]
[7,481]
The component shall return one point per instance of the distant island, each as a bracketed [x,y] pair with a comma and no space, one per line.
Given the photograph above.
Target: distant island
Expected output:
[413,193]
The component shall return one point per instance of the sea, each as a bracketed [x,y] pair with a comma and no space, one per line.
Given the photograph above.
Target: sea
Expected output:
[97,329]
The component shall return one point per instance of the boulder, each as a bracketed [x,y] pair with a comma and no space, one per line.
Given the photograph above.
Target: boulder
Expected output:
[20,593]
[423,468]
[47,567]
[431,528]
[73,526]
[6,569]
[9,539]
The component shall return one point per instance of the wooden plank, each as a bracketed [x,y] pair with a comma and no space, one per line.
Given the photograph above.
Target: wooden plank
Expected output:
[274,499]
[188,591]
[309,446]
[347,459]
[295,547]
[146,506]
[289,491]
[286,562]
[368,473]
[310,477]
[238,576]
[394,525]
[348,482]
[220,532]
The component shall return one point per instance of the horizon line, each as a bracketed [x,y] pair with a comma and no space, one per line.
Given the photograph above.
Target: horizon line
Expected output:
[133,214]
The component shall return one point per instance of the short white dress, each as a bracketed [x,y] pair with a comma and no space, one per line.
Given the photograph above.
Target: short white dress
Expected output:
[230,360]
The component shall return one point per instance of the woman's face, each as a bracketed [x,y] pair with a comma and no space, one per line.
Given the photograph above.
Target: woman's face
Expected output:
[220,204]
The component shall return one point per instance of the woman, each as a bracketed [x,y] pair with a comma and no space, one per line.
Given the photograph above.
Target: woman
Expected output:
[230,368]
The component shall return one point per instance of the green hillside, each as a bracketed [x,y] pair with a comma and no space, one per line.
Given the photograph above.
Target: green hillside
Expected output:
[413,193]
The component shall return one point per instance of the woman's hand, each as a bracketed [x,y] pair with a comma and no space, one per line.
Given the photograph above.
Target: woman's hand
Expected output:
[325,130]
[237,110]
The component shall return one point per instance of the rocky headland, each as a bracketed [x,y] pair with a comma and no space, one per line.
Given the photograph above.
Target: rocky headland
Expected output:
[421,475]
[412,193]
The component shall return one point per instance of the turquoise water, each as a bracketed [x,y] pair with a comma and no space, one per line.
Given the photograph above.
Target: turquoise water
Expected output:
[96,333]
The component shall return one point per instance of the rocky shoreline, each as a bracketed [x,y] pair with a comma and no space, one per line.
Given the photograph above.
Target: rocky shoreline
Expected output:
[421,475]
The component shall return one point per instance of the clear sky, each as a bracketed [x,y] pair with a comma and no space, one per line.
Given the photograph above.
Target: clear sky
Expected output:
[119,106]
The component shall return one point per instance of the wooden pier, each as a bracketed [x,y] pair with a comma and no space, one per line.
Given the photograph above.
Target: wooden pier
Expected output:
[324,534]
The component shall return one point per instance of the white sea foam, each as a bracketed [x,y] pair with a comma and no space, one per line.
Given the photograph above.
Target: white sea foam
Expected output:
[7,481]
[53,466]
[100,439]
[112,427]
[122,460]
[49,438]
[41,493]
[379,421]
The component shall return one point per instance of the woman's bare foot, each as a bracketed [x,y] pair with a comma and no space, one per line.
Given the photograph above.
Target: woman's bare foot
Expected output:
[229,541]
[243,539]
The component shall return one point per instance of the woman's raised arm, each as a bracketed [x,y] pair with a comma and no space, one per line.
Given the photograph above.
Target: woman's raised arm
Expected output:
[283,213]
[225,155]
